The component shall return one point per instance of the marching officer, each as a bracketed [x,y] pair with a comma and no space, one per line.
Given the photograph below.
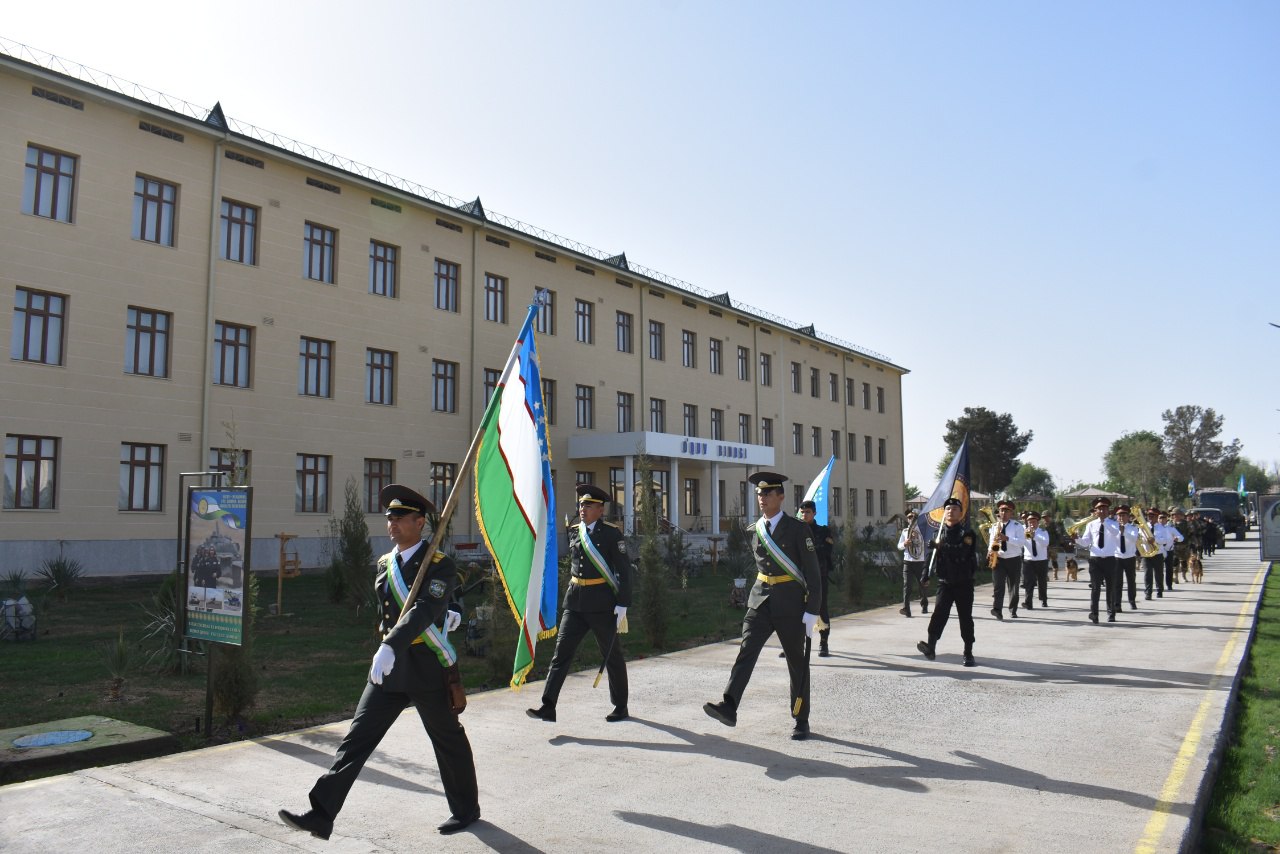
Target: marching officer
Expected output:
[1035,562]
[785,600]
[1153,565]
[911,544]
[824,542]
[1126,558]
[1101,537]
[1010,536]
[409,668]
[597,601]
[955,563]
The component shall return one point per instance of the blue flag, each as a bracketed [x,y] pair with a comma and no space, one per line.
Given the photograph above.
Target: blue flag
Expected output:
[1240,488]
[818,492]
[954,484]
[1191,487]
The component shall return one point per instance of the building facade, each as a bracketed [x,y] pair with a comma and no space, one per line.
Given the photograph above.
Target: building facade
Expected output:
[187,297]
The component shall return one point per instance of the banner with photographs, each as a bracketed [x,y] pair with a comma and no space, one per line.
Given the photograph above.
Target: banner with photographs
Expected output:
[218,538]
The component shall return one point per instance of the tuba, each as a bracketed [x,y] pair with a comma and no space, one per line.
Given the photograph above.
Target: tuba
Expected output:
[1147,546]
[1075,528]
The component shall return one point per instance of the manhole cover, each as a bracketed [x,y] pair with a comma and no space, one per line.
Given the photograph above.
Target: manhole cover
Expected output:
[48,739]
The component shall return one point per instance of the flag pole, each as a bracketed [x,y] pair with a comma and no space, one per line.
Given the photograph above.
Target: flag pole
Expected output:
[452,501]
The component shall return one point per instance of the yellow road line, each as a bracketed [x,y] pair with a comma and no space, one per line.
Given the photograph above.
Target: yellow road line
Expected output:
[1191,742]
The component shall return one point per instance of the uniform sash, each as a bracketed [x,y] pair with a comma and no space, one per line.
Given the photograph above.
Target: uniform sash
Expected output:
[775,552]
[434,637]
[597,559]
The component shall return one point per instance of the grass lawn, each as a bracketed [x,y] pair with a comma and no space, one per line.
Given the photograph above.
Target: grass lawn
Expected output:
[311,663]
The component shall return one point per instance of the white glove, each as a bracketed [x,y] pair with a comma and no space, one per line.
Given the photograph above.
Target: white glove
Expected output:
[452,619]
[810,620]
[383,660]
[620,611]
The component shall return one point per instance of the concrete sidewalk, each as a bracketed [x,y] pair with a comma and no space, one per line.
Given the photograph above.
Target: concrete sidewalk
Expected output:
[1067,736]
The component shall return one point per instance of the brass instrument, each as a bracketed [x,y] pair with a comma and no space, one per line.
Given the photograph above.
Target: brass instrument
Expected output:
[993,551]
[1147,546]
[1075,528]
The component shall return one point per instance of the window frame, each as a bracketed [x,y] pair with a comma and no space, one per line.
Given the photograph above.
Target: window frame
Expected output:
[40,463]
[384,269]
[221,342]
[312,473]
[319,252]
[238,220]
[315,367]
[51,321]
[495,297]
[444,386]
[379,376]
[153,336]
[60,200]
[156,208]
[447,275]
[146,461]
[378,473]
[584,321]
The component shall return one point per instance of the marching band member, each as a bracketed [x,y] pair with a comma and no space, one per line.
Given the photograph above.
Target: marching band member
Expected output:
[1126,558]
[911,544]
[1035,562]
[1011,536]
[1100,537]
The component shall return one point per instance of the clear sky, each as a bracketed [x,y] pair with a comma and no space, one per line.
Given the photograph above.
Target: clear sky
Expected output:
[1069,212]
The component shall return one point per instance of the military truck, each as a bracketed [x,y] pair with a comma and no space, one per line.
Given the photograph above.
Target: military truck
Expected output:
[1228,501]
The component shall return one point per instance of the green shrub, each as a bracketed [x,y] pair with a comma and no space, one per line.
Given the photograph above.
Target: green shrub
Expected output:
[61,574]
[235,680]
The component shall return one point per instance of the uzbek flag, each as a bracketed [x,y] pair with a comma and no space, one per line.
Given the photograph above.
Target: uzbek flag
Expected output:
[817,492]
[515,499]
[1240,487]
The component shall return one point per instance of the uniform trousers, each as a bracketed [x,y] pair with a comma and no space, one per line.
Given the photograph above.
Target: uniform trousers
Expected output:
[1035,577]
[757,627]
[961,595]
[1008,575]
[825,610]
[1153,573]
[574,626]
[1173,561]
[1102,571]
[377,711]
[1127,570]
[913,577]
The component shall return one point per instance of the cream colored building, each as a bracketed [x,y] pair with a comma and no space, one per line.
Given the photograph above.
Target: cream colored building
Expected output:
[180,289]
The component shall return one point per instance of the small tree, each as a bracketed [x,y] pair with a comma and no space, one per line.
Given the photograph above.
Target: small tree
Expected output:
[854,564]
[351,572]
[235,680]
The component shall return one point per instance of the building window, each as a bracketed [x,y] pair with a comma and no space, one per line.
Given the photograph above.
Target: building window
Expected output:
[744,364]
[315,367]
[549,400]
[871,503]
[585,405]
[882,451]
[491,377]
[849,393]
[384,269]
[797,494]
[766,432]
[234,462]
[48,189]
[690,420]
[626,412]
[834,504]
[879,399]
[544,322]
[239,232]
[141,477]
[797,438]
[717,425]
[866,396]
[442,477]
[833,388]
[311,491]
[232,354]
[625,343]
[657,340]
[444,386]
[447,274]
[795,377]
[319,251]
[716,354]
[743,502]
[30,472]
[155,204]
[584,321]
[766,369]
[884,502]
[853,451]
[691,506]
[584,477]
[835,444]
[815,441]
[814,374]
[866,449]
[689,348]
[379,376]
[495,298]
[377,474]
[617,486]
[38,320]
[744,428]
[657,415]
[146,342]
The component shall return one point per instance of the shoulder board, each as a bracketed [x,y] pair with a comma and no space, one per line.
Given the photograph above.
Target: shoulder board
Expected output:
[611,525]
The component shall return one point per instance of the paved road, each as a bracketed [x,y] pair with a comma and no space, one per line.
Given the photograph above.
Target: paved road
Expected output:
[1068,736]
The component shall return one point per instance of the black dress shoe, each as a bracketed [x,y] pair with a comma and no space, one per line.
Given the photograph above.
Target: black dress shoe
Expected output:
[1111,618]
[721,712]
[823,652]
[456,823]
[926,649]
[619,713]
[543,713]
[782,654]
[997,614]
[1044,603]
[1013,612]
[968,660]
[801,731]
[904,612]
[310,821]
[924,607]
[1093,617]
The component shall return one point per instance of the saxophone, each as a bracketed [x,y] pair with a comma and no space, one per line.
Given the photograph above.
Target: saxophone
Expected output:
[993,553]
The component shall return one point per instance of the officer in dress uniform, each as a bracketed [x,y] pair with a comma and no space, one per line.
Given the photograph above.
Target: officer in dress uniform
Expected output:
[409,668]
[1035,562]
[954,561]
[597,601]
[1101,537]
[1181,549]
[824,542]
[1127,558]
[785,600]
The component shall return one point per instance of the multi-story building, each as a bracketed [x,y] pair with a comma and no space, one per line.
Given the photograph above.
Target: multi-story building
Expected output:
[191,294]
